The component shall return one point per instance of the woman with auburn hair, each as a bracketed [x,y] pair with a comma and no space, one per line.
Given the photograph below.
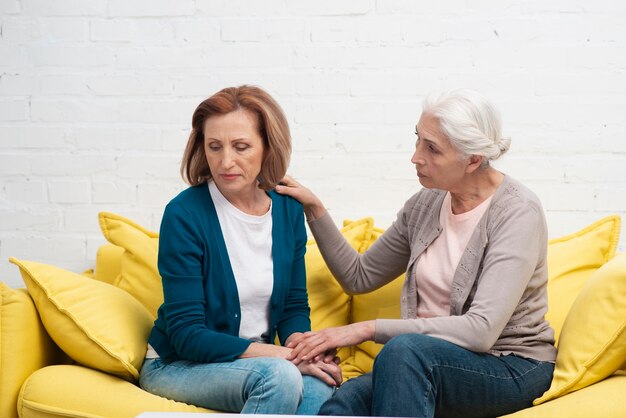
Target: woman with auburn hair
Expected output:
[231,258]
[473,340]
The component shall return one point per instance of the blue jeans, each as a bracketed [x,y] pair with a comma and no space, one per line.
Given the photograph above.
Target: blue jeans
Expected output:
[260,385]
[420,376]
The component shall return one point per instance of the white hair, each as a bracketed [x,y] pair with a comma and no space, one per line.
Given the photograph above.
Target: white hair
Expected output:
[470,121]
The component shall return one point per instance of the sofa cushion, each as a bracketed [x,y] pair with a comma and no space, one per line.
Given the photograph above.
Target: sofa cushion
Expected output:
[593,342]
[96,324]
[330,306]
[571,261]
[24,345]
[76,391]
[139,274]
[603,399]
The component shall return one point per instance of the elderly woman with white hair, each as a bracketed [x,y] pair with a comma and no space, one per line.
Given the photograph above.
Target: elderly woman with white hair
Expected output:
[473,339]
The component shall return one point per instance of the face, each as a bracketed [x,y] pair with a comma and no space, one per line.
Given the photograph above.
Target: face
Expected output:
[234,150]
[439,165]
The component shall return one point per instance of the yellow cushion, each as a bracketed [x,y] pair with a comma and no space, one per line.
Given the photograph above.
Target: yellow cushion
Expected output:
[330,306]
[24,345]
[603,399]
[593,341]
[108,263]
[139,274]
[381,303]
[75,391]
[572,259]
[96,324]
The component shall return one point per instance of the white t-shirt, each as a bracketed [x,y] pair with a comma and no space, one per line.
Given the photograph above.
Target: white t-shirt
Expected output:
[436,266]
[248,241]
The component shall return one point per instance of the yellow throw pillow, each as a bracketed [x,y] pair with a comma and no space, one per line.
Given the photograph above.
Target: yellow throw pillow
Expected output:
[96,324]
[593,341]
[571,261]
[139,273]
[330,306]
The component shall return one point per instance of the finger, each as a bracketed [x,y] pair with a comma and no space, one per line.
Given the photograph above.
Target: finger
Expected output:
[334,371]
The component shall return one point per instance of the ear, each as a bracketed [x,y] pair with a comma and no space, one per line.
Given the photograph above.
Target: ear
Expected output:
[474,162]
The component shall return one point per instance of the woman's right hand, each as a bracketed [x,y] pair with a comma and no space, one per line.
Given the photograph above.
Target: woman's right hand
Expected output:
[313,206]
[329,373]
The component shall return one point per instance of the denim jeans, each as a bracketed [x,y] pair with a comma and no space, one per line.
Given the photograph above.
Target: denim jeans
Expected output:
[260,385]
[420,376]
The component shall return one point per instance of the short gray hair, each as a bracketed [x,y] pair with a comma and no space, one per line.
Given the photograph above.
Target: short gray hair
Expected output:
[470,121]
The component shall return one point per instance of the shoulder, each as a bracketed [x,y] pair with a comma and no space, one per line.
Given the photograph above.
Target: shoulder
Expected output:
[285,203]
[512,194]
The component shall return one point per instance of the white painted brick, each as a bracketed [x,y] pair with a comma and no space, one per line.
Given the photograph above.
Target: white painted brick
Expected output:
[110,192]
[525,168]
[595,169]
[9,274]
[156,167]
[337,112]
[14,57]
[14,164]
[81,219]
[333,29]
[129,85]
[610,198]
[157,194]
[25,191]
[239,56]
[331,8]
[153,8]
[18,85]
[64,7]
[9,6]
[418,8]
[194,85]
[109,138]
[396,84]
[198,29]
[63,84]
[59,29]
[260,30]
[564,196]
[48,164]
[50,248]
[71,56]
[32,137]
[163,58]
[13,109]
[110,30]
[34,219]
[175,139]
[221,8]
[69,191]
[18,29]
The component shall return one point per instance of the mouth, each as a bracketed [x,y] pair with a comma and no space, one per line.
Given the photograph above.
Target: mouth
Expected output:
[229,176]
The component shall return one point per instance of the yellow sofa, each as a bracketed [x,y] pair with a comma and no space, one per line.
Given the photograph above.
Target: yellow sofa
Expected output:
[71,345]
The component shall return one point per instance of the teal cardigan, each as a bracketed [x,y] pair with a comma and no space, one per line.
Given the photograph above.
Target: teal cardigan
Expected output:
[200,317]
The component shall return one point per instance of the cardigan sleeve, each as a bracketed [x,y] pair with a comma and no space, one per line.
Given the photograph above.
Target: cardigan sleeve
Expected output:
[180,262]
[296,311]
[384,261]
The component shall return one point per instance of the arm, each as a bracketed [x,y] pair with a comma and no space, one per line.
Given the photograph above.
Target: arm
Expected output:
[181,256]
[356,273]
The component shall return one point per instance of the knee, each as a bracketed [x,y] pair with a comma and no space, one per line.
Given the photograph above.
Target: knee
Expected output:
[406,348]
[283,374]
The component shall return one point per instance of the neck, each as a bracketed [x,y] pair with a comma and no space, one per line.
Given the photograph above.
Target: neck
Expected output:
[476,188]
[253,202]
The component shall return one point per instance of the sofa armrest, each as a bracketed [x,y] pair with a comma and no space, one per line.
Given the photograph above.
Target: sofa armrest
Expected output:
[24,345]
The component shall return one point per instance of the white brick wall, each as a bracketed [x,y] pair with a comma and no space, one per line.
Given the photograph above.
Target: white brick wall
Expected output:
[96,98]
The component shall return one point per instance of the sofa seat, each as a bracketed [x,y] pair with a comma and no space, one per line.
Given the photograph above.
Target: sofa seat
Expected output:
[73,391]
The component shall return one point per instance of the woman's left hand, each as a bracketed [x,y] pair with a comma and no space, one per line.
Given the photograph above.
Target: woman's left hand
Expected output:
[311,346]
[329,373]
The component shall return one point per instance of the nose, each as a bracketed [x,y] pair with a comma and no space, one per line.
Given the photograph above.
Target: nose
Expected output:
[416,158]
[227,158]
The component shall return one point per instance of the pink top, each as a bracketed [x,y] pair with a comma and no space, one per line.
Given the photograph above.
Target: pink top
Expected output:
[436,266]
